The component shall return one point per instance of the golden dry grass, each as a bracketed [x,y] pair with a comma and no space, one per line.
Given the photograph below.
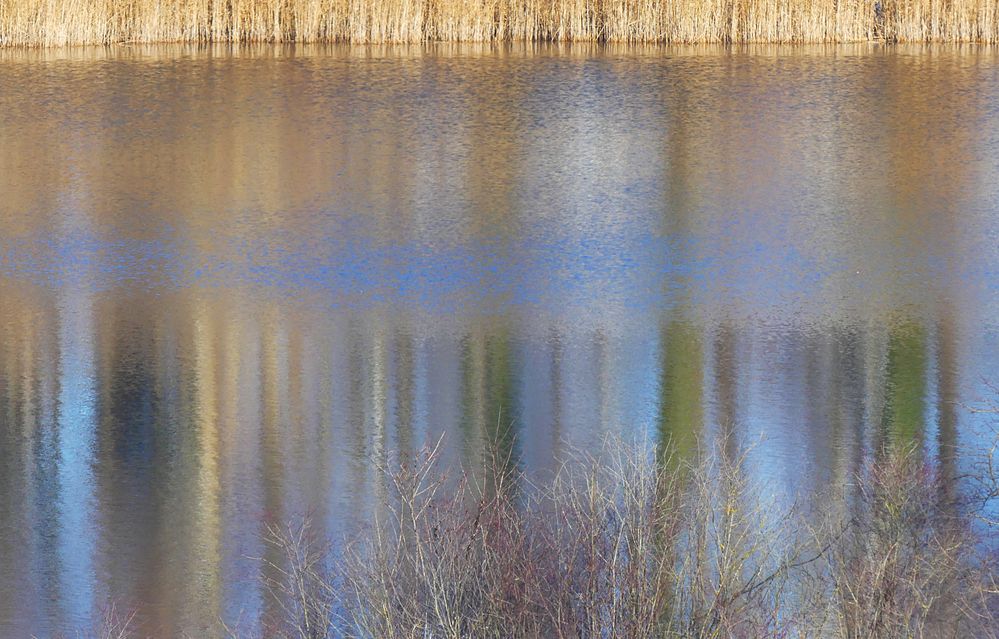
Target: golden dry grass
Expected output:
[68,22]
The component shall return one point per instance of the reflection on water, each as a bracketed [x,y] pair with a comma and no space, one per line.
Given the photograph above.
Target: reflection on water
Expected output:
[229,280]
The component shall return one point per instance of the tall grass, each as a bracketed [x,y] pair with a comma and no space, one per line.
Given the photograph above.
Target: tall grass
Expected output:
[66,22]
[630,545]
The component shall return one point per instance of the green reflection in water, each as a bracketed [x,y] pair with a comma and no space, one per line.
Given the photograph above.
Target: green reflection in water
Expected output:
[681,412]
[905,384]
[489,416]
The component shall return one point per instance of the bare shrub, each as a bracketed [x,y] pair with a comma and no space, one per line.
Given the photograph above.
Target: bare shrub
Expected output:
[621,545]
[634,544]
[116,623]
[908,564]
[299,582]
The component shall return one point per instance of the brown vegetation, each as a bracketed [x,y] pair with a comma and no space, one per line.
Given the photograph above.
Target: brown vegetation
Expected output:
[65,22]
[630,545]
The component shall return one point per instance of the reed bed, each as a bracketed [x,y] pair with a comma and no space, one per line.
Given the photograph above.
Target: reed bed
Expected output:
[73,22]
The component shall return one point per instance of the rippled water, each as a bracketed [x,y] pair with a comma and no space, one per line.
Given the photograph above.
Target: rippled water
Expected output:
[229,280]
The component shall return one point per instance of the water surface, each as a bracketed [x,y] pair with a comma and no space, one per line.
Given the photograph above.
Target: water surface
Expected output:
[232,278]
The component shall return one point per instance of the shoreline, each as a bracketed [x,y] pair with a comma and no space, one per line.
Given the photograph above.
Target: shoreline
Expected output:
[506,46]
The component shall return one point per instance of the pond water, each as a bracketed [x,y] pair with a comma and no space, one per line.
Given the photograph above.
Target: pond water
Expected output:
[233,279]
